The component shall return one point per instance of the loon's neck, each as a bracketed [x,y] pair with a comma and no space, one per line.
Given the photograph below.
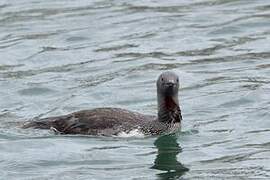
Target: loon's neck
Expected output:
[168,109]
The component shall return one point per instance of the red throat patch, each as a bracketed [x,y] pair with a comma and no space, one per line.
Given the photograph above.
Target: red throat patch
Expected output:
[169,103]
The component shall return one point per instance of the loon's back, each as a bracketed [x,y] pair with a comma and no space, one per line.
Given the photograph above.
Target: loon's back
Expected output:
[99,121]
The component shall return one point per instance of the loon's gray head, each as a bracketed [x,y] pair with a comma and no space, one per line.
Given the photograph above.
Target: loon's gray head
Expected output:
[168,84]
[167,93]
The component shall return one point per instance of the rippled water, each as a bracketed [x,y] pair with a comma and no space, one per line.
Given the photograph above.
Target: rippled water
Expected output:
[60,56]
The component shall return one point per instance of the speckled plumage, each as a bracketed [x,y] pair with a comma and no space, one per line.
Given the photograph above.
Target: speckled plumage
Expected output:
[112,121]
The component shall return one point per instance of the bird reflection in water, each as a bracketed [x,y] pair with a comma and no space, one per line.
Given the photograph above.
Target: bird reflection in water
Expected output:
[166,159]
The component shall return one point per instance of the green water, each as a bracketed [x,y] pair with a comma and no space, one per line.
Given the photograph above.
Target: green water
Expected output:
[61,56]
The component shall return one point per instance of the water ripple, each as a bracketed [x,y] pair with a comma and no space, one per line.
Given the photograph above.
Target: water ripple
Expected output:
[62,56]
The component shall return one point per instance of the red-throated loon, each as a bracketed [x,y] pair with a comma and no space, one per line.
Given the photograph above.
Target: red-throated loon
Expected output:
[112,121]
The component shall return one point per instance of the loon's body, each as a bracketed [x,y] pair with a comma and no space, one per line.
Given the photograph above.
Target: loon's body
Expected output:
[112,121]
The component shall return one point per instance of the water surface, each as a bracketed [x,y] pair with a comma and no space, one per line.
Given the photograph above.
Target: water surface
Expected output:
[61,56]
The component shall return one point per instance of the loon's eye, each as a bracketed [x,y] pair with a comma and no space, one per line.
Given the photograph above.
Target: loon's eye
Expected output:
[177,80]
[162,79]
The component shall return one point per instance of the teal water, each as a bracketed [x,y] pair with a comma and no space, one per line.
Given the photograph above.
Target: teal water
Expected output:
[61,56]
